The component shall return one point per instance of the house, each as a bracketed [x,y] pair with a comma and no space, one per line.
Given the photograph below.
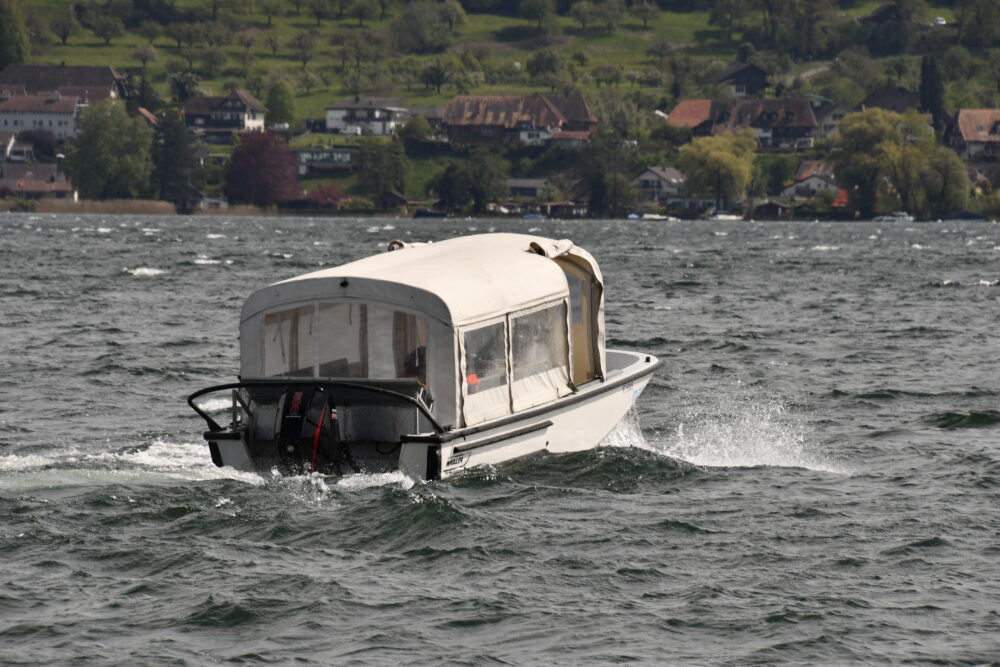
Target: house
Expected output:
[975,133]
[218,117]
[896,99]
[379,116]
[88,83]
[775,123]
[811,177]
[35,181]
[773,210]
[53,112]
[527,188]
[828,116]
[661,185]
[665,186]
[325,159]
[695,115]
[531,119]
[743,79]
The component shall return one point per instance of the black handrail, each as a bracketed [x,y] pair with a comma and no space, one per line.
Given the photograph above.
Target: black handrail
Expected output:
[214,426]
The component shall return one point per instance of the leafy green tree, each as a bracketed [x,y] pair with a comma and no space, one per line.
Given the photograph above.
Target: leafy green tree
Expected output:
[610,13]
[645,11]
[281,104]
[382,168]
[110,157]
[585,12]
[537,10]
[452,13]
[436,74]
[15,45]
[107,28]
[175,173]
[64,25]
[270,9]
[304,46]
[415,130]
[420,29]
[729,15]
[150,30]
[478,181]
[545,61]
[144,54]
[720,167]
[319,9]
[363,10]
[886,155]
[602,176]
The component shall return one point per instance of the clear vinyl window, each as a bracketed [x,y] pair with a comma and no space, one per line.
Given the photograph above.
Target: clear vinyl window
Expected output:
[538,341]
[485,358]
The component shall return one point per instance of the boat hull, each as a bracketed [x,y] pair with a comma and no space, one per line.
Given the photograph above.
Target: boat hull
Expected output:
[576,422]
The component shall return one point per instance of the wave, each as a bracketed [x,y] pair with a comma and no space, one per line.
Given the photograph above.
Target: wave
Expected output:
[960,420]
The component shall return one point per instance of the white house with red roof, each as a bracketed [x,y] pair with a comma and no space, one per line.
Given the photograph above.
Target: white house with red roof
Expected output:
[976,132]
[55,112]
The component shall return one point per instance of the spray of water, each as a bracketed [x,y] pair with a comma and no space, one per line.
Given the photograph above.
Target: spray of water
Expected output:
[742,426]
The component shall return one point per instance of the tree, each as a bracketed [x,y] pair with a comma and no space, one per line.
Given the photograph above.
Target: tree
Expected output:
[281,104]
[585,12]
[415,130]
[610,12]
[382,168]
[175,168]
[545,61]
[150,30]
[319,9]
[325,196]
[246,39]
[15,45]
[602,175]
[885,155]
[270,9]
[304,46]
[538,10]
[719,166]
[107,28]
[452,13]
[64,25]
[144,54]
[110,157]
[435,74]
[420,29]
[272,42]
[645,11]
[262,171]
[363,10]
[728,14]
[932,91]
[479,181]
[212,59]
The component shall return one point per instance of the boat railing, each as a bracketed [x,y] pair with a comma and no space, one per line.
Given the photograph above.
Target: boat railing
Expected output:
[339,392]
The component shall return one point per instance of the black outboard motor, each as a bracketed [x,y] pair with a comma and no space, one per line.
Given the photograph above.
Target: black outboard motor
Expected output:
[308,436]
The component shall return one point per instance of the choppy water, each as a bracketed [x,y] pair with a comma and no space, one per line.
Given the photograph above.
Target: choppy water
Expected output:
[813,476]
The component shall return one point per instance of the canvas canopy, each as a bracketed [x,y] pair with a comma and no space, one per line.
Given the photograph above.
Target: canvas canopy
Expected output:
[492,323]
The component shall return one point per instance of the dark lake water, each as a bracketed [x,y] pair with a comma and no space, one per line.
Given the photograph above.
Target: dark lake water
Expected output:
[812,477]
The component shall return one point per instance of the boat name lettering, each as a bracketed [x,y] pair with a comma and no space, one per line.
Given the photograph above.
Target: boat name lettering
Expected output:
[455,460]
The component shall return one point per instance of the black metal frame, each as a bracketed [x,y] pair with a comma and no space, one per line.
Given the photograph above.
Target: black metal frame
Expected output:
[328,386]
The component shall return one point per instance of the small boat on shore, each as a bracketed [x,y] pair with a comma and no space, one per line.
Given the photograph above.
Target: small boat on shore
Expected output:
[895,216]
[429,358]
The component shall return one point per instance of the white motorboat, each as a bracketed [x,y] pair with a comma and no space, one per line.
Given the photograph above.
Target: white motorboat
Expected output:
[895,216]
[430,359]
[722,216]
